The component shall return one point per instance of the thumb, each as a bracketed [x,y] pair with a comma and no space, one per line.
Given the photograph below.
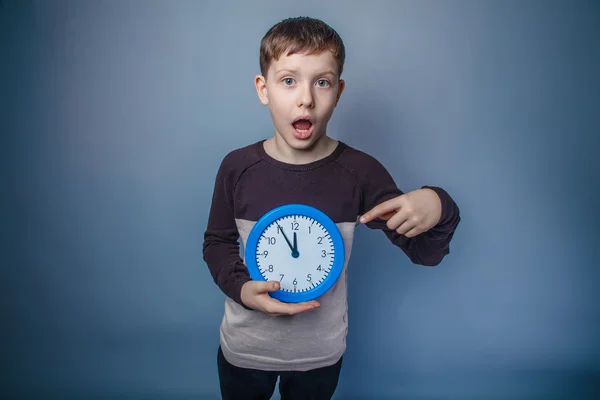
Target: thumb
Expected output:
[264,287]
[273,286]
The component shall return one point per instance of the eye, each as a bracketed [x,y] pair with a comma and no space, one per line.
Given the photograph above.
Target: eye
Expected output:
[323,83]
[288,81]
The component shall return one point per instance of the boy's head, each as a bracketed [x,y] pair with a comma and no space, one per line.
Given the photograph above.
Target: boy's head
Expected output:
[300,35]
[301,61]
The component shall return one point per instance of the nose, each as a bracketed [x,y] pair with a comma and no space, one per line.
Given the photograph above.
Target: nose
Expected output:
[305,96]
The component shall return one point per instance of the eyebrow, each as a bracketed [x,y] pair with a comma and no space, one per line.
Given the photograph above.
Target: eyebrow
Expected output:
[293,71]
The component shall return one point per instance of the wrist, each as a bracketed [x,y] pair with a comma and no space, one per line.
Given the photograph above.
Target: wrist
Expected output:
[242,298]
[447,207]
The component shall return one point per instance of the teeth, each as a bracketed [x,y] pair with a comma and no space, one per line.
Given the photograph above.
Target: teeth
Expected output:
[302,130]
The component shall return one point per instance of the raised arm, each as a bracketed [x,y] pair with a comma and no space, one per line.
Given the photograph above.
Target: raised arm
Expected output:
[422,223]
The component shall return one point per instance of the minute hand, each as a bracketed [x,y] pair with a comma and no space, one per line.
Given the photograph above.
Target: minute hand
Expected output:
[295,249]
[295,253]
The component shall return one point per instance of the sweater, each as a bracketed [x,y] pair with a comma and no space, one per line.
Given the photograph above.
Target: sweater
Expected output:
[344,185]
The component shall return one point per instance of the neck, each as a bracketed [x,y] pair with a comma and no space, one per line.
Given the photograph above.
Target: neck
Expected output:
[277,148]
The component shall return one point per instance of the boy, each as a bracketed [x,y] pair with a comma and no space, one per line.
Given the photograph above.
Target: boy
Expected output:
[261,339]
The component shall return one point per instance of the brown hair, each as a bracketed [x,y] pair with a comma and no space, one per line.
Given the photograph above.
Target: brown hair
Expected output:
[300,34]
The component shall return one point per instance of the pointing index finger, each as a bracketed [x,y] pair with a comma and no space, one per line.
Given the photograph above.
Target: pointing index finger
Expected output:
[380,210]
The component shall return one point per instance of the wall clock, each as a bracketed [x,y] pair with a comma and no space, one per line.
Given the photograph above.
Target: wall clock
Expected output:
[299,246]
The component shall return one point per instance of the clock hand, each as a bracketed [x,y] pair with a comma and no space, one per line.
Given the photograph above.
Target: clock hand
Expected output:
[286,239]
[295,253]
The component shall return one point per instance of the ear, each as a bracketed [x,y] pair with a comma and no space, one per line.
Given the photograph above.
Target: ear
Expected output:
[341,86]
[261,89]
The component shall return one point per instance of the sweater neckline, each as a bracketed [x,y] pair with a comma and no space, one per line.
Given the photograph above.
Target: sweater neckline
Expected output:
[300,167]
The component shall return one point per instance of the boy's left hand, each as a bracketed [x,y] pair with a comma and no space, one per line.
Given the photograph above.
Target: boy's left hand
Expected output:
[409,214]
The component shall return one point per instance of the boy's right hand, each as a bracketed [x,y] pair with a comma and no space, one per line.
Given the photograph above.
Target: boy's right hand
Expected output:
[255,295]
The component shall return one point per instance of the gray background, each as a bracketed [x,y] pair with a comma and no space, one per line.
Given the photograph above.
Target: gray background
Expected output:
[116,115]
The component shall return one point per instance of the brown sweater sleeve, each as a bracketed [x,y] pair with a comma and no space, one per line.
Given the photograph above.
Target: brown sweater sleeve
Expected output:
[221,246]
[428,248]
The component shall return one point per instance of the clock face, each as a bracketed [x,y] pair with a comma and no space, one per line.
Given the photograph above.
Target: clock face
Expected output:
[297,251]
[298,246]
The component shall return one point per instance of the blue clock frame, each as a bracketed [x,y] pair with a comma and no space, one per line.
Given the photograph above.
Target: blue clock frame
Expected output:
[290,210]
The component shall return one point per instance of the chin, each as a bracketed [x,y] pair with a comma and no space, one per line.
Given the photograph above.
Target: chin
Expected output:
[301,144]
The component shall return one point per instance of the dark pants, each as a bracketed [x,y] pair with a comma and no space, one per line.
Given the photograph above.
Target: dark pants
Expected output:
[251,384]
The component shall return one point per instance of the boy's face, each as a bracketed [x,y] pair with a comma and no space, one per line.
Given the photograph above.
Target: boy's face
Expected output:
[301,92]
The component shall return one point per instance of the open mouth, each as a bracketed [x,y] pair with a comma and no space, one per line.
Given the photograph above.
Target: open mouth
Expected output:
[303,128]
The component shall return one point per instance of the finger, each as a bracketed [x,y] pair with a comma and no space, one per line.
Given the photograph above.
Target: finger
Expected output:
[383,209]
[388,215]
[413,232]
[273,286]
[406,226]
[259,287]
[300,307]
[273,306]
[397,220]
[313,303]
